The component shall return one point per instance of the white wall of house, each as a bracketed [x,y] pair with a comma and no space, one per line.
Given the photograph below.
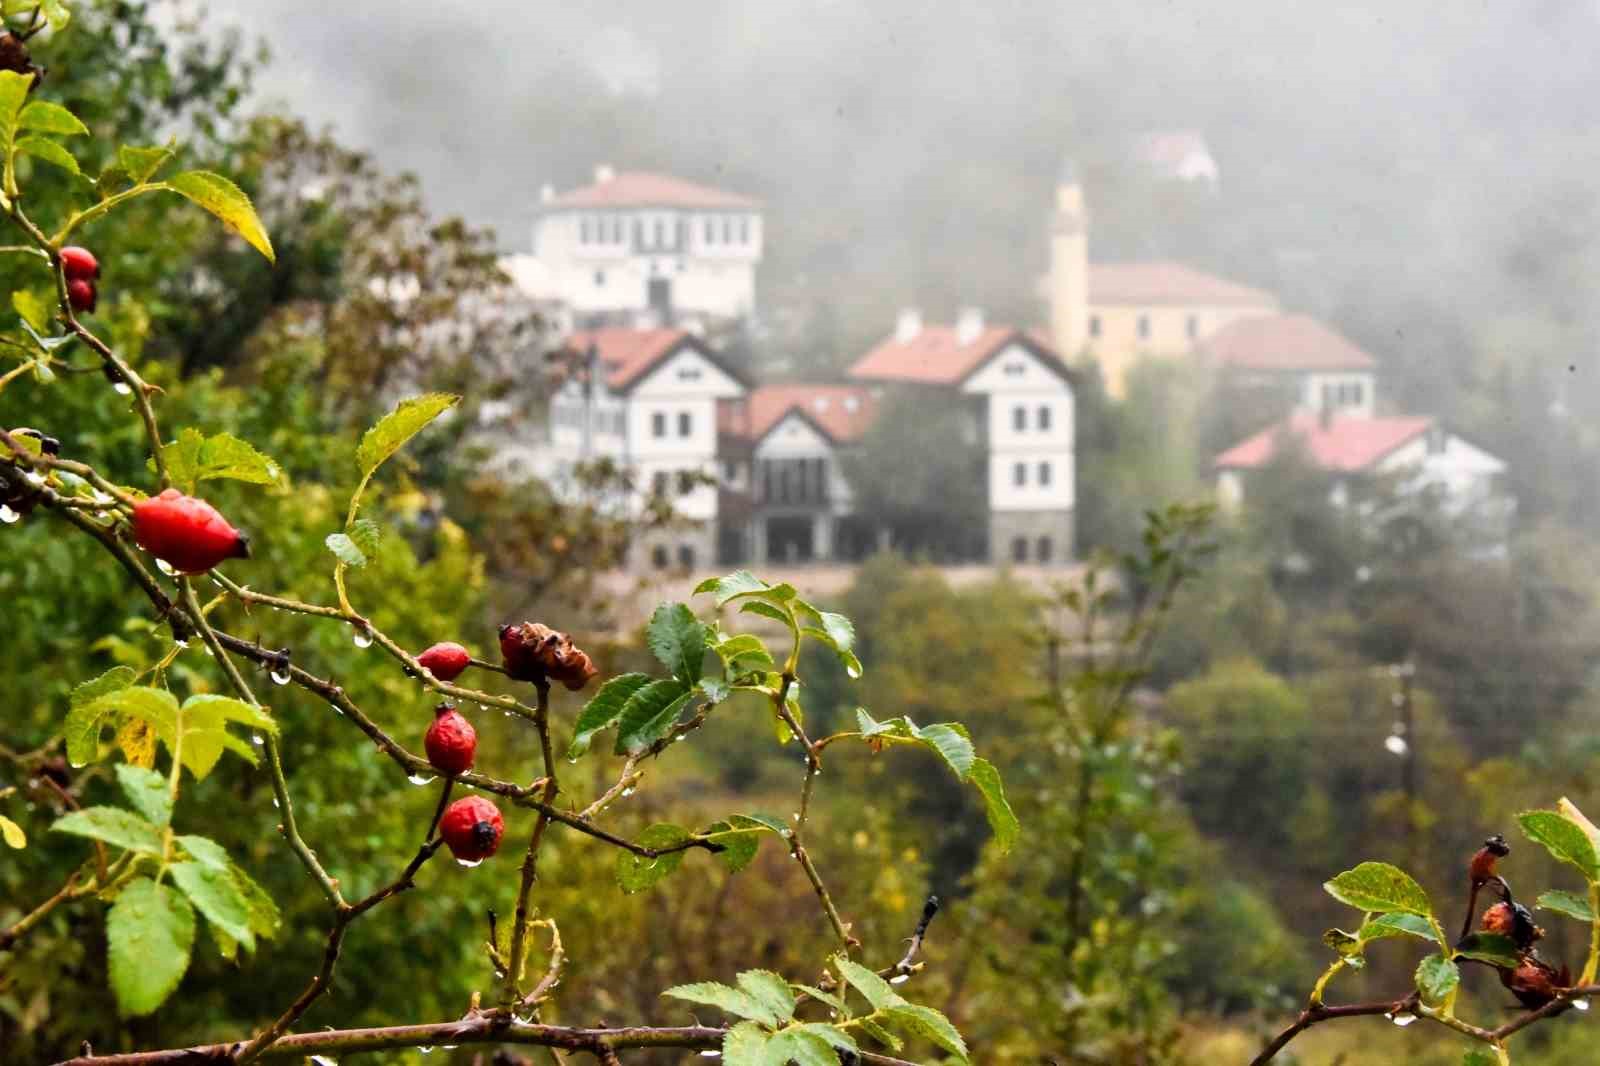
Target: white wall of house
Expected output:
[604,260]
[1463,473]
[795,438]
[671,417]
[1031,455]
[1350,392]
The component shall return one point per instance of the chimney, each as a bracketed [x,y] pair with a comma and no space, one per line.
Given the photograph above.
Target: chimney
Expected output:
[907,325]
[969,323]
[547,192]
[603,173]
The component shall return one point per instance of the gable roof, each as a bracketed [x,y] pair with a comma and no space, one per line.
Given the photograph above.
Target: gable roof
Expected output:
[841,413]
[642,189]
[1284,342]
[627,355]
[936,356]
[1166,283]
[1342,445]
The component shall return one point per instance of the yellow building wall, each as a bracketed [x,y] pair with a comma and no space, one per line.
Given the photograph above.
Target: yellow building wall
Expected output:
[1118,344]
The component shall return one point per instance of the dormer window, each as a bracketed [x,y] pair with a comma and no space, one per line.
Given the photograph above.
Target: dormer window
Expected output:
[688,373]
[1013,370]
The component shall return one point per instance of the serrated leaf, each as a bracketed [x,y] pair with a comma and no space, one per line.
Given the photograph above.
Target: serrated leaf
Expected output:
[743,652]
[603,710]
[139,165]
[678,641]
[365,534]
[113,696]
[148,792]
[205,731]
[1398,924]
[264,917]
[33,311]
[47,117]
[715,690]
[880,1034]
[635,873]
[1568,904]
[766,610]
[398,426]
[874,989]
[12,833]
[832,1034]
[215,895]
[733,1001]
[1437,979]
[13,91]
[1002,821]
[827,998]
[195,457]
[837,632]
[739,583]
[649,714]
[149,933]
[928,1023]
[745,1045]
[227,202]
[48,151]
[205,851]
[1564,839]
[1492,948]
[800,1046]
[1380,888]
[951,746]
[739,836]
[1577,817]
[770,990]
[344,549]
[112,825]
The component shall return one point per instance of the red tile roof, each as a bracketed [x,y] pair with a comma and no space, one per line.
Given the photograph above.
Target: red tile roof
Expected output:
[1284,342]
[842,412]
[1345,445]
[936,356]
[627,353]
[1165,283]
[638,189]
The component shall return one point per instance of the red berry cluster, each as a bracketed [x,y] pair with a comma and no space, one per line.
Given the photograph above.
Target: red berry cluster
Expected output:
[82,270]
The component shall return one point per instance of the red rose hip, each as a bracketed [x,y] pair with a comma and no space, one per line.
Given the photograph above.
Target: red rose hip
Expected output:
[472,827]
[79,264]
[451,741]
[186,533]
[445,660]
[81,294]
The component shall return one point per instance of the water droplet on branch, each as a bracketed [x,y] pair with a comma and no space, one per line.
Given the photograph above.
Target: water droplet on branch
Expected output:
[124,389]
[280,677]
[363,638]
[7,515]
[420,779]
[469,863]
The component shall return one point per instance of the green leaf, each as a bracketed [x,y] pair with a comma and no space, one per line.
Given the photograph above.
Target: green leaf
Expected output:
[344,549]
[1480,1057]
[141,164]
[398,426]
[365,534]
[1342,942]
[930,1024]
[832,1034]
[797,1045]
[46,117]
[649,714]
[739,583]
[113,696]
[48,151]
[874,989]
[880,1034]
[56,13]
[837,632]
[12,833]
[635,873]
[826,998]
[215,895]
[1492,948]
[114,826]
[713,689]
[770,821]
[1381,888]
[1564,839]
[205,851]
[742,653]
[603,710]
[32,309]
[227,202]
[149,932]
[767,610]
[1569,904]
[194,458]
[205,731]
[1398,924]
[733,1001]
[954,748]
[13,91]
[1437,979]
[678,640]
[264,917]
[148,792]
[740,840]
[770,990]
[1002,822]
[745,1045]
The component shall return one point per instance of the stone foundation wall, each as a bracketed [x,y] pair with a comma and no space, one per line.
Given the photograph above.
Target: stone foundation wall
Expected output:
[1006,527]
[699,541]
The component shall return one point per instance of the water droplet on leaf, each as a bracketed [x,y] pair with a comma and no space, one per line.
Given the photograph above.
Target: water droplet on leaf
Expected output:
[1580,1004]
[257,739]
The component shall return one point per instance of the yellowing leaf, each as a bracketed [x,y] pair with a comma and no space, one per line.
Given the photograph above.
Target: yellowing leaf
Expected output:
[227,202]
[12,833]
[400,425]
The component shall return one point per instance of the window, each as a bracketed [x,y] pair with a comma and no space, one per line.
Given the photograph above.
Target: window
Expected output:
[680,230]
[1019,475]
[1356,394]
[1329,397]
[685,423]
[583,230]
[686,556]
[1192,326]
[711,231]
[658,424]
[1144,327]
[658,556]
[1019,549]
[1094,325]
[661,233]
[1014,370]
[1019,418]
[686,481]
[688,373]
[1044,473]
[616,229]
[744,230]
[1044,417]
[659,482]
[600,278]
[1043,549]
[730,471]
[727,230]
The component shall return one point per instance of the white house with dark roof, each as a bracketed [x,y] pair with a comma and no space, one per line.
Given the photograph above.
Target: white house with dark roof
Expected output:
[635,248]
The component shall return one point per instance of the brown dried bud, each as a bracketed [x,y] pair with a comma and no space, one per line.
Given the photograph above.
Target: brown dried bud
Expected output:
[535,652]
[1535,982]
[14,56]
[1498,919]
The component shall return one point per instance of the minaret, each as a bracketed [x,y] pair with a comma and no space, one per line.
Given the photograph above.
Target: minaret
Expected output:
[1069,267]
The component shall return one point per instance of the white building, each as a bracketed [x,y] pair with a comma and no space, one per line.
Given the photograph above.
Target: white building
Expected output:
[1177,155]
[1315,368]
[644,249]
